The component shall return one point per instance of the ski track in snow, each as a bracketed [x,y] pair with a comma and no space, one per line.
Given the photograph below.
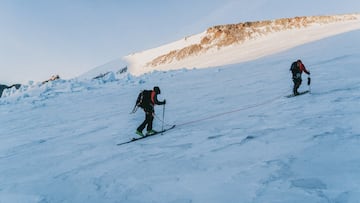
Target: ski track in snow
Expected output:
[59,141]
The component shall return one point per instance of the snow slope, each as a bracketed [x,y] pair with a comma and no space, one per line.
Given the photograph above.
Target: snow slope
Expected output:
[238,139]
[264,44]
[112,66]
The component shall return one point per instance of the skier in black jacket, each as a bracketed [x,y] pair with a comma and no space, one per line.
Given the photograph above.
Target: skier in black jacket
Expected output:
[297,68]
[149,99]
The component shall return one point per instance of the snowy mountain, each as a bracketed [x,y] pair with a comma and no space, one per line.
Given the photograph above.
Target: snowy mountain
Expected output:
[237,139]
[236,43]
[231,44]
[117,65]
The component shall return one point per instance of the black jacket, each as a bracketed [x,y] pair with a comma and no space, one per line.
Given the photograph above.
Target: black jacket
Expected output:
[149,100]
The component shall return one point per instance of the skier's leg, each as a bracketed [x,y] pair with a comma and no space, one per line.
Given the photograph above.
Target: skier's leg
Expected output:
[143,124]
[150,119]
[296,86]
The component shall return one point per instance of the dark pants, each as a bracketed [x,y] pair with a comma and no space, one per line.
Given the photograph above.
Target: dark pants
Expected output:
[297,83]
[147,122]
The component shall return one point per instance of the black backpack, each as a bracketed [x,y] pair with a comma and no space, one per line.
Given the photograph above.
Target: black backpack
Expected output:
[142,100]
[294,68]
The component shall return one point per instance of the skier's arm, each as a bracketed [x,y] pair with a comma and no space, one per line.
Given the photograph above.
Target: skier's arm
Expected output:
[306,71]
[157,102]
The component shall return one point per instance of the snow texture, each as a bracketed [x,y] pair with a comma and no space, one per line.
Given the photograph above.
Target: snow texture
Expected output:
[238,139]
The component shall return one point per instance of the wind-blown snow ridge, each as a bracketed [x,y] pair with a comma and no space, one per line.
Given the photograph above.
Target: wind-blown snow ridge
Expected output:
[233,39]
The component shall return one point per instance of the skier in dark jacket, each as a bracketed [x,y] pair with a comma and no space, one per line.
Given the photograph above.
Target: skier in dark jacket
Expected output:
[297,68]
[149,99]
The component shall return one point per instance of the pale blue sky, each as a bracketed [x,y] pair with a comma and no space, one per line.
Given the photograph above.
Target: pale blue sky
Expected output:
[39,38]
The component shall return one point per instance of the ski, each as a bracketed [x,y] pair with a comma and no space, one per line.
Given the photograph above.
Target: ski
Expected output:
[146,136]
[300,93]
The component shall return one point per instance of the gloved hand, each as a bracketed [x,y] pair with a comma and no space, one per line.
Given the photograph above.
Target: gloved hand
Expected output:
[164,101]
[309,81]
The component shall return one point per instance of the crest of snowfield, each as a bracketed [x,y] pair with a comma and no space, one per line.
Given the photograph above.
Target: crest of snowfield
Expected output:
[242,37]
[34,92]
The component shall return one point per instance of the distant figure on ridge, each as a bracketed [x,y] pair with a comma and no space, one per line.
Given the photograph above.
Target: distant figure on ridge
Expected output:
[147,100]
[297,68]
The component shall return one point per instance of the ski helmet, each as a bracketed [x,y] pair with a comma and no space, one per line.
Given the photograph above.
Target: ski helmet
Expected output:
[157,89]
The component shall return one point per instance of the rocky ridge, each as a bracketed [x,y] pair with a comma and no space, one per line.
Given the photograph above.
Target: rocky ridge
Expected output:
[226,35]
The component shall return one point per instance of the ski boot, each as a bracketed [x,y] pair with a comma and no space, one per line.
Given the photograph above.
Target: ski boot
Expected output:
[151,132]
[139,133]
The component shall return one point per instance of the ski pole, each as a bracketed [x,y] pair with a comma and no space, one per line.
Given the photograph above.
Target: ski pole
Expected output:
[162,128]
[134,109]
[309,82]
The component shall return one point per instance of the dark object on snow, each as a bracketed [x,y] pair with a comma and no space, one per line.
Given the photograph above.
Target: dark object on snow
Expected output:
[123,70]
[147,100]
[300,93]
[296,69]
[146,136]
[101,75]
[54,77]
[3,87]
